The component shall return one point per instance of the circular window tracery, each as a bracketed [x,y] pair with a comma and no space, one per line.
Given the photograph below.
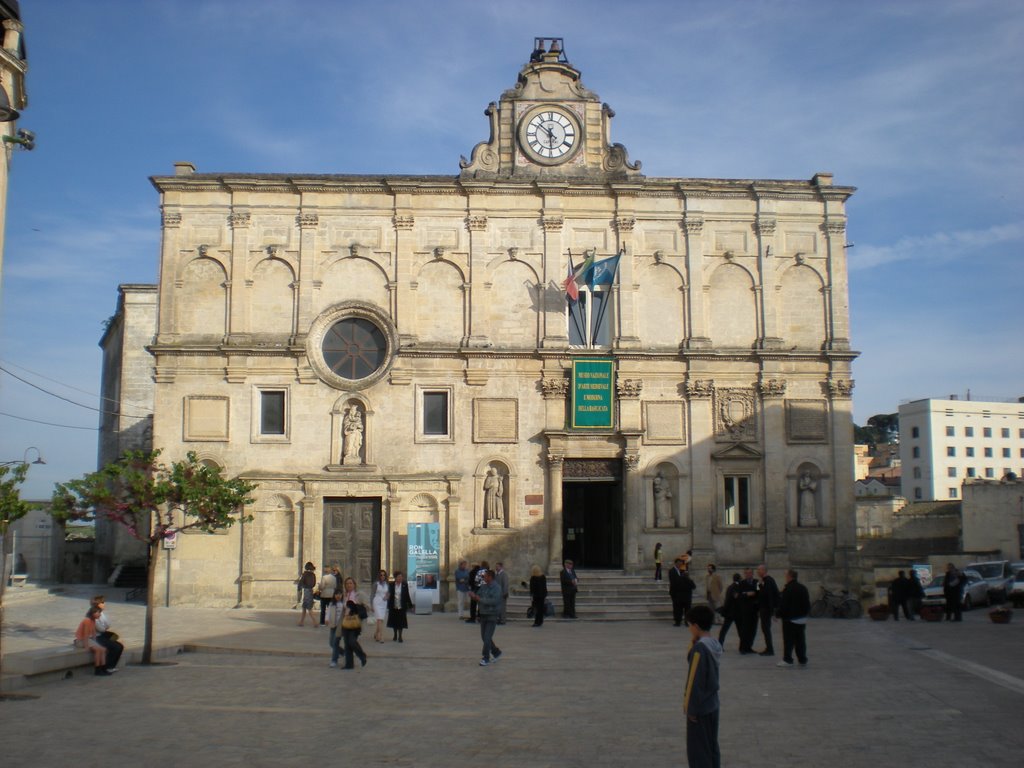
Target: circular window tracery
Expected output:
[351,345]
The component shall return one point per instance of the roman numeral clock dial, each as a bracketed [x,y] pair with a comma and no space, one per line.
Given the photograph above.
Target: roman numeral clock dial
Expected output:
[549,136]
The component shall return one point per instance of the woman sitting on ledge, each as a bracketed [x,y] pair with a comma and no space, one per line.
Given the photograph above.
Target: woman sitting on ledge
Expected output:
[85,637]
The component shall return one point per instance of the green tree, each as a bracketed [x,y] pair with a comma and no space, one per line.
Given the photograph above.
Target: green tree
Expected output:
[11,508]
[153,502]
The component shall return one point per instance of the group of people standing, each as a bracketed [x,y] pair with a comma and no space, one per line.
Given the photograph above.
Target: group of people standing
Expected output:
[343,609]
[905,593]
[469,580]
[752,602]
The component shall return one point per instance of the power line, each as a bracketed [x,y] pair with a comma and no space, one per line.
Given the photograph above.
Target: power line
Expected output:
[47,423]
[68,386]
[61,397]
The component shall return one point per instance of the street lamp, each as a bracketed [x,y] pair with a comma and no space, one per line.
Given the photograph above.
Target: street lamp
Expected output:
[24,459]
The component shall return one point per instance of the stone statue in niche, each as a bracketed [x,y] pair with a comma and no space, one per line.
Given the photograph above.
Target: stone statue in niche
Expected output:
[494,507]
[807,488]
[664,518]
[352,435]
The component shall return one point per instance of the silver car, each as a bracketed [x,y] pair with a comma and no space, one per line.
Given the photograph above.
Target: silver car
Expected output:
[975,591]
[1017,591]
[999,577]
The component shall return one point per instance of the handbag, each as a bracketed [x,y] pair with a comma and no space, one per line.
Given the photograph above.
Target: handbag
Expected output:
[351,621]
[361,611]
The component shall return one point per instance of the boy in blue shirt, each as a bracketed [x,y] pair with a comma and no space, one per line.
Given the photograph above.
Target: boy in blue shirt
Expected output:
[700,702]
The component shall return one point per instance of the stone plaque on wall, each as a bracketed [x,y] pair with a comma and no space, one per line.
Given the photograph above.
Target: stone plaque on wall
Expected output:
[205,417]
[730,240]
[664,423]
[806,421]
[495,420]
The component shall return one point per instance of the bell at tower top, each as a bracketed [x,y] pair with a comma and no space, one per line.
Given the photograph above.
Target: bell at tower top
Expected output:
[549,126]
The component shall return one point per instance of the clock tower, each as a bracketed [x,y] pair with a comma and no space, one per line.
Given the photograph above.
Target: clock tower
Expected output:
[549,126]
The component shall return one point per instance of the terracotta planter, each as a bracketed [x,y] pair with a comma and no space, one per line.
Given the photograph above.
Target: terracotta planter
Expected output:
[879,612]
[931,613]
[1000,616]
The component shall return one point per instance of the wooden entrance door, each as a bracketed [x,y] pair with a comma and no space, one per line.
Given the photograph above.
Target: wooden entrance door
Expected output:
[352,537]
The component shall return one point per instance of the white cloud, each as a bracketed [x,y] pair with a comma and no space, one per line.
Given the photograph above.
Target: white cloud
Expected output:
[940,246]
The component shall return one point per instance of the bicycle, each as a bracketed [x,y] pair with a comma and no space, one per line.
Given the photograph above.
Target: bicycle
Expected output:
[836,606]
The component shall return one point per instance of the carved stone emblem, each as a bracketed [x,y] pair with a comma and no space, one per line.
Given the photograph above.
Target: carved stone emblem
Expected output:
[734,415]
[629,388]
[700,388]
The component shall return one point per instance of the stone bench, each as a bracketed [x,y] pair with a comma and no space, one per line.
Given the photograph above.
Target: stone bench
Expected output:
[47,660]
[18,579]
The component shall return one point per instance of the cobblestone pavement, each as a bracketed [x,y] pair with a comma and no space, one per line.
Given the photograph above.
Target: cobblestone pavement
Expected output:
[255,690]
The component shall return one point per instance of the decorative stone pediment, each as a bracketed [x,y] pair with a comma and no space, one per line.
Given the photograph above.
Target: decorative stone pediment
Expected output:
[737,451]
[543,127]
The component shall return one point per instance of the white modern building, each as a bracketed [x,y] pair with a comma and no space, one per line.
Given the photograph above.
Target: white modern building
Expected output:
[945,442]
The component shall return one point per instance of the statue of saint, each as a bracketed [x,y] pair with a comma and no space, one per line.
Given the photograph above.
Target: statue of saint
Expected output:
[352,434]
[663,502]
[806,506]
[494,508]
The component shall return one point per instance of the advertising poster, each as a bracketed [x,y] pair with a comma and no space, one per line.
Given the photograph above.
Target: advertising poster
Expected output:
[424,559]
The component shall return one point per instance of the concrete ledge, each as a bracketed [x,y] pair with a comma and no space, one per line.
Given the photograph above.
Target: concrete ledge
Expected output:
[46,660]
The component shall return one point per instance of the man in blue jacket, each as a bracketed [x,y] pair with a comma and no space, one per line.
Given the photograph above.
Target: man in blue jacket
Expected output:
[700,702]
[489,603]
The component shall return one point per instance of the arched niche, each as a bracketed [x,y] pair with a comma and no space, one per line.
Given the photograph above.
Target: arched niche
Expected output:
[664,495]
[351,433]
[808,488]
[274,528]
[494,486]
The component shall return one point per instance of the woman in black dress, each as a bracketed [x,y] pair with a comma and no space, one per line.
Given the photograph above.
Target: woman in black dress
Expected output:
[399,602]
[538,594]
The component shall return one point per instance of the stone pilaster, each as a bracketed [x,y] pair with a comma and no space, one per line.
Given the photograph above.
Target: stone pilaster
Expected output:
[238,331]
[309,224]
[555,466]
[405,306]
[697,333]
[556,267]
[170,246]
[476,306]
[765,228]
[837,303]
[773,414]
[634,502]
[702,476]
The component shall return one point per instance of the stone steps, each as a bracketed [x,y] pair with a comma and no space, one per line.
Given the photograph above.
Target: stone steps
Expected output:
[603,596]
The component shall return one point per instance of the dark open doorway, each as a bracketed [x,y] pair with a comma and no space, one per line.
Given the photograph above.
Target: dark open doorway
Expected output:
[592,524]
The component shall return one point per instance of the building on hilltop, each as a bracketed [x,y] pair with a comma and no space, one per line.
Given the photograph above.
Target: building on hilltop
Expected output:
[549,355]
[944,443]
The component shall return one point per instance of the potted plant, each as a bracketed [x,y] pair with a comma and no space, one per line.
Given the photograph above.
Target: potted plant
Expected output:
[932,612]
[879,612]
[1000,615]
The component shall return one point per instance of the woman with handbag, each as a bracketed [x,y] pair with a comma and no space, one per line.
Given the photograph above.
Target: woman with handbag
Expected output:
[399,602]
[381,590]
[104,636]
[353,613]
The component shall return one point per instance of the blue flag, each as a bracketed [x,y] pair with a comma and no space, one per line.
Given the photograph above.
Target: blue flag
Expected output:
[603,272]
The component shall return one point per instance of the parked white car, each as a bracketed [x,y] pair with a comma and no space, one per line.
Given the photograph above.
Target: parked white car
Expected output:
[975,591]
[999,577]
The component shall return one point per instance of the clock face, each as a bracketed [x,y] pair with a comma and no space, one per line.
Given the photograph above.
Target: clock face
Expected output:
[550,136]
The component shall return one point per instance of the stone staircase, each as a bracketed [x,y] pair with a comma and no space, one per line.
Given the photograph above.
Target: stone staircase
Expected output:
[603,596]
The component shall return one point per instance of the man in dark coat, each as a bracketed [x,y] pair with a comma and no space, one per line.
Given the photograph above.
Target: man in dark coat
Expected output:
[746,613]
[474,579]
[794,606]
[730,609]
[899,597]
[953,591]
[767,604]
[680,589]
[570,586]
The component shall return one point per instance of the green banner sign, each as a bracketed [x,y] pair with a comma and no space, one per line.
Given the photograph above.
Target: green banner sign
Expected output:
[592,394]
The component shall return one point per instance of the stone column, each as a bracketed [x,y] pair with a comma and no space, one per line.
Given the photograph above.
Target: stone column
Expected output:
[697,332]
[773,392]
[170,246]
[556,267]
[555,464]
[404,306]
[702,472]
[634,503]
[245,577]
[308,223]
[477,227]
[238,331]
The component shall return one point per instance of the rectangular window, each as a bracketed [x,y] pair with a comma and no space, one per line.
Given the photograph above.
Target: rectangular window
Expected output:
[435,414]
[590,317]
[952,493]
[970,472]
[1005,432]
[989,472]
[970,451]
[1020,434]
[951,471]
[917,473]
[950,431]
[917,494]
[987,432]
[915,432]
[968,431]
[988,453]
[1006,453]
[736,495]
[916,452]
[272,419]
[950,451]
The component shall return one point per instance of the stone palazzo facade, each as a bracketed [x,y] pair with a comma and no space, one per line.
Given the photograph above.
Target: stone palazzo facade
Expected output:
[374,351]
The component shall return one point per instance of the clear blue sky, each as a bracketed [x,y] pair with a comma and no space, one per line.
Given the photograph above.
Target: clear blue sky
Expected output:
[917,103]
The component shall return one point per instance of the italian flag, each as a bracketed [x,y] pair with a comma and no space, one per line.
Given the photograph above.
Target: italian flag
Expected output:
[578,275]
